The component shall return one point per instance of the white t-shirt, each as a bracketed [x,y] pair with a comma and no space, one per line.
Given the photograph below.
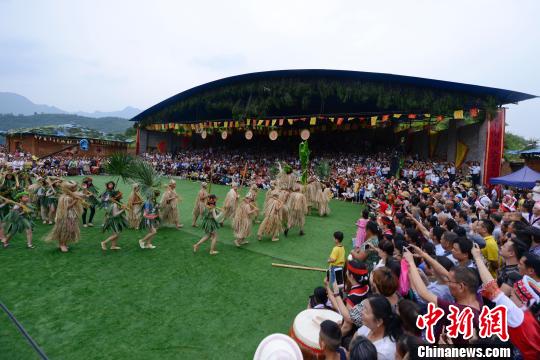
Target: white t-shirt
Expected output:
[386,348]
[536,193]
[439,250]
[369,190]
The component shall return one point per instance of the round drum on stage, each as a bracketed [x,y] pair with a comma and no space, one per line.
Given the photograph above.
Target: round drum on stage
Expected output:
[306,327]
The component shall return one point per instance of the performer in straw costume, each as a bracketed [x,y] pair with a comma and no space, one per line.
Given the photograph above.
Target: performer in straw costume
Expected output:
[70,205]
[210,224]
[4,210]
[286,178]
[268,195]
[110,188]
[150,220]
[50,200]
[115,221]
[297,210]
[19,219]
[252,193]
[200,203]
[92,198]
[33,193]
[243,221]
[169,206]
[272,223]
[9,184]
[313,188]
[134,207]
[231,203]
[324,201]
[284,209]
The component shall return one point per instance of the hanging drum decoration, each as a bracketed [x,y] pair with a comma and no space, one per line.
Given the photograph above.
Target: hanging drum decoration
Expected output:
[305,134]
[224,135]
[249,135]
[273,135]
[204,134]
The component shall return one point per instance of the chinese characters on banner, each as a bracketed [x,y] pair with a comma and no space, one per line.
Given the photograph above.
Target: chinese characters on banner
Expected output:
[491,322]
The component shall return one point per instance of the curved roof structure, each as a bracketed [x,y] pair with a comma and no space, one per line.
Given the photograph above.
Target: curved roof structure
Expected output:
[183,107]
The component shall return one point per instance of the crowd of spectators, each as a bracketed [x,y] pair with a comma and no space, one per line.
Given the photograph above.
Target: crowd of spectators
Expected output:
[450,243]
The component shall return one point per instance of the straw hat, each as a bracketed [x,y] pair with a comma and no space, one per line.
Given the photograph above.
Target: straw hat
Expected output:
[69,185]
[278,347]
[204,184]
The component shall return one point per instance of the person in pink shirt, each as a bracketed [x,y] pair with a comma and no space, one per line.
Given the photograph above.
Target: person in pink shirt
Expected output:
[361,229]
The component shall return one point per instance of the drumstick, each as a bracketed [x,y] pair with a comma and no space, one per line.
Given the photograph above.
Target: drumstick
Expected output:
[298,267]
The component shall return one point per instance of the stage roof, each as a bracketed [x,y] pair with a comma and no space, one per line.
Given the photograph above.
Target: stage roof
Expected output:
[438,88]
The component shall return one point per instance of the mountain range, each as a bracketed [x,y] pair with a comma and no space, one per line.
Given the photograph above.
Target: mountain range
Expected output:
[11,103]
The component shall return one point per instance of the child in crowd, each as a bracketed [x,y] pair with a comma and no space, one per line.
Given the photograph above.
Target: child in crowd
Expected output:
[361,229]
[337,256]
[329,341]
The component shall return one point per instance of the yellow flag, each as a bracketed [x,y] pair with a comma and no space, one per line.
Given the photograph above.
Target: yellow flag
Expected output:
[290,121]
[373,120]
[313,121]
[397,116]
[226,123]
[331,119]
[458,114]
[461,153]
[236,124]
[427,115]
[260,122]
[274,122]
[249,121]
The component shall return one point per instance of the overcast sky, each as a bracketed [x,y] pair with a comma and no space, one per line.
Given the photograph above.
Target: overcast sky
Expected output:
[105,55]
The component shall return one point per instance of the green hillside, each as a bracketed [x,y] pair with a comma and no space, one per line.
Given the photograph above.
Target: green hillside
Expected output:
[105,124]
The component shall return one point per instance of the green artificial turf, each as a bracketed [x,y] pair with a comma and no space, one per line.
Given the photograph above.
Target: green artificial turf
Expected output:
[166,303]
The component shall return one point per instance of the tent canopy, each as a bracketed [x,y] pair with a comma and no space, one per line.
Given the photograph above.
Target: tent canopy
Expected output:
[524,178]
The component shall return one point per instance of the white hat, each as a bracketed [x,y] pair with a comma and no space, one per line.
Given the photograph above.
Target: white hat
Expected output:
[278,347]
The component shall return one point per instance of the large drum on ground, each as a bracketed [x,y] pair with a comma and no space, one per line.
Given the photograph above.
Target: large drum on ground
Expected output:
[305,331]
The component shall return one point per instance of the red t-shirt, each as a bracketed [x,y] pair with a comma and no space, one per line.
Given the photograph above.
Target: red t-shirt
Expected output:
[526,337]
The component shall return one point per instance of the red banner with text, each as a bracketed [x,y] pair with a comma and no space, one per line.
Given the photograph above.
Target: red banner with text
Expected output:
[494,146]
